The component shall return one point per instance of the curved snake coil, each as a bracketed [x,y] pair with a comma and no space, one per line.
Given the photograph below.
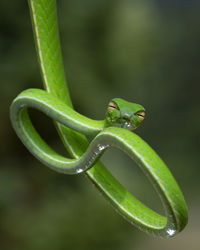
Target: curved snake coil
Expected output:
[72,127]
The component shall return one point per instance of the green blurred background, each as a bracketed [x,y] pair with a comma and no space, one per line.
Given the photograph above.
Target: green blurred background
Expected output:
[145,51]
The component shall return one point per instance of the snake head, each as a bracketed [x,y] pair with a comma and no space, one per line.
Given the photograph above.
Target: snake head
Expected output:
[124,114]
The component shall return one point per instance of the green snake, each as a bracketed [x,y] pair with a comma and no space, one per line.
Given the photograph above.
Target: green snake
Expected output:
[115,131]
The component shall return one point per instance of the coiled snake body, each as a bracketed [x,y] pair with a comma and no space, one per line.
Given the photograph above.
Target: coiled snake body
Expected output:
[114,131]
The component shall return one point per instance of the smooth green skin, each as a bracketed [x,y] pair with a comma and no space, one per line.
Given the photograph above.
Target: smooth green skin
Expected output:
[124,115]
[55,103]
[60,112]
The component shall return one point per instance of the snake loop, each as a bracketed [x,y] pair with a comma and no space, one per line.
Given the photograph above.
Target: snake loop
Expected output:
[130,143]
[72,128]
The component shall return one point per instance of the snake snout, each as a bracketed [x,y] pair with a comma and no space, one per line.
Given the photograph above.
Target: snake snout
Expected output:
[126,118]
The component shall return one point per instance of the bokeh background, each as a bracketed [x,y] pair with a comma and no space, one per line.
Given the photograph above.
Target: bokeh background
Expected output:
[145,51]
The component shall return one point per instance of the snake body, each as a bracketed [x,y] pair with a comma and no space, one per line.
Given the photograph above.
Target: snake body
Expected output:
[111,132]
[58,111]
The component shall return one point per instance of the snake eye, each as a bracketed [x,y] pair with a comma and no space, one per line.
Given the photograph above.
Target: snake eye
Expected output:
[112,105]
[140,114]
